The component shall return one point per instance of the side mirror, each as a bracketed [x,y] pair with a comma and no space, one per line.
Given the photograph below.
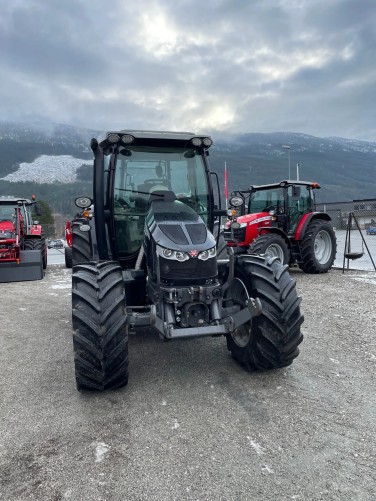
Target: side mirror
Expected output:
[37,209]
[83,202]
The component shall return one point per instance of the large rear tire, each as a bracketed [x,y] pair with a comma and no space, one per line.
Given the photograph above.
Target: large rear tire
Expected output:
[271,245]
[271,339]
[318,247]
[37,243]
[81,244]
[100,333]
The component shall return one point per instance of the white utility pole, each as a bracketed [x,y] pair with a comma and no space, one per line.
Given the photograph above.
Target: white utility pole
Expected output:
[286,147]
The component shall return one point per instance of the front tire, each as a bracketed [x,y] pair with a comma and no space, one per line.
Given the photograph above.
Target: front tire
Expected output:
[270,340]
[68,257]
[318,247]
[81,244]
[100,337]
[37,244]
[271,245]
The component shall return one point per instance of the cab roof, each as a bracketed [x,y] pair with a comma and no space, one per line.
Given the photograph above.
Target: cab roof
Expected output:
[14,200]
[150,138]
[284,184]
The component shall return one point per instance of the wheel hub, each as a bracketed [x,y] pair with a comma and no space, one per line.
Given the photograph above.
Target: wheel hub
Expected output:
[239,295]
[274,250]
[322,247]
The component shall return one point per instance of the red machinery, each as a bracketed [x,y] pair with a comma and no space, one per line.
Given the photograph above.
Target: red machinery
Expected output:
[68,248]
[280,220]
[23,252]
[74,228]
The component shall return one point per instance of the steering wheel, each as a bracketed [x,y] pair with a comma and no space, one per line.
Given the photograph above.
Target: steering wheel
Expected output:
[269,208]
[123,203]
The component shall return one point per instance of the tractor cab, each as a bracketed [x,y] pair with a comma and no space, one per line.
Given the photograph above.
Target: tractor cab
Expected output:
[287,201]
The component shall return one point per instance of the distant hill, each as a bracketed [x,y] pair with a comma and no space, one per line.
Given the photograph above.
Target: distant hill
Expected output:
[345,168]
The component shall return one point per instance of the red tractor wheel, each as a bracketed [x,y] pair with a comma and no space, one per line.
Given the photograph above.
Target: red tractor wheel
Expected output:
[271,245]
[318,247]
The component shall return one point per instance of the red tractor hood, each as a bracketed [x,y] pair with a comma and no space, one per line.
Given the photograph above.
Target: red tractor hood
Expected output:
[260,217]
[6,226]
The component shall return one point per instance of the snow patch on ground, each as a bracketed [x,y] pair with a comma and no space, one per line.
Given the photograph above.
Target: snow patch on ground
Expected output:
[369,278]
[257,447]
[48,169]
[100,451]
[61,286]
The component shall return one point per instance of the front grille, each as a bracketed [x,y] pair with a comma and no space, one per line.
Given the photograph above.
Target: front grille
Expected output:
[237,234]
[192,269]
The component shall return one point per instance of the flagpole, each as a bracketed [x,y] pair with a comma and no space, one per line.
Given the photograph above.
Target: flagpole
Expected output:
[226,186]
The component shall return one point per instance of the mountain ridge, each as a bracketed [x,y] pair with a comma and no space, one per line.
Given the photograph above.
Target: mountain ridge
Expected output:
[345,168]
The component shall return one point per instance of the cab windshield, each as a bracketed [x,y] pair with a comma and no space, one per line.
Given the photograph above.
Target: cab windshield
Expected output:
[142,171]
[7,212]
[266,200]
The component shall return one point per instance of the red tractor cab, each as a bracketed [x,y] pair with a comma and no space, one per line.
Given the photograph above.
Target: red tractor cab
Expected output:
[280,220]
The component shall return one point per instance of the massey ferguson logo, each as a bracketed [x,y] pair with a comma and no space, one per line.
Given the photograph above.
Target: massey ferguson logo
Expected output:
[193,253]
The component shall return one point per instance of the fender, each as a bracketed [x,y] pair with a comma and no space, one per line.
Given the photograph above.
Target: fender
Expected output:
[273,229]
[68,233]
[306,219]
[253,224]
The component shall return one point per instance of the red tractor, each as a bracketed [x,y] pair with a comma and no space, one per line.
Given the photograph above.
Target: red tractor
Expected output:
[23,250]
[72,255]
[280,220]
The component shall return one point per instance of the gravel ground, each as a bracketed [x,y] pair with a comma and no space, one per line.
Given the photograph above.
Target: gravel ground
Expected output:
[191,424]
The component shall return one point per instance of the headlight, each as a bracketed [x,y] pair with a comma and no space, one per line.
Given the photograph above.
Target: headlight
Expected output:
[196,141]
[204,255]
[127,139]
[207,254]
[171,254]
[181,256]
[167,253]
[113,138]
[235,225]
[207,141]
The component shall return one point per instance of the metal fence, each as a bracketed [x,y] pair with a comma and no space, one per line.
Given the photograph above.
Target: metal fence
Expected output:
[361,232]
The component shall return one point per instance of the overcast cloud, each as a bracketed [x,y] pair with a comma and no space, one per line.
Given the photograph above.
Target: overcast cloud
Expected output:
[217,65]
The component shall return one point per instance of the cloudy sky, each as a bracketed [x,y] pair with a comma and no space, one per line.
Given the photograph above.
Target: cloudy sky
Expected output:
[222,66]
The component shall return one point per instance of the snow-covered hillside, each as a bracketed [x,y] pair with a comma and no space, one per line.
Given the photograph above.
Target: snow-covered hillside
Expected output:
[48,169]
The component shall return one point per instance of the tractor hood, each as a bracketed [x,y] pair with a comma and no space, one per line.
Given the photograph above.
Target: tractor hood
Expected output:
[174,225]
[261,217]
[6,229]
[179,248]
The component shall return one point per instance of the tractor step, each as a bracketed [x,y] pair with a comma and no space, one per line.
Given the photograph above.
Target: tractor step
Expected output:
[30,268]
